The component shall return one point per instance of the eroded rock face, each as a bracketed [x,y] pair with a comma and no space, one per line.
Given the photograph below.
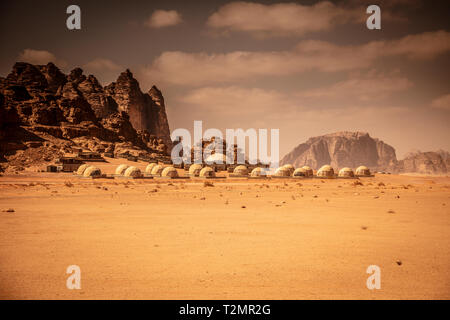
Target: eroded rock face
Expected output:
[343,149]
[40,103]
[146,111]
[102,104]
[425,163]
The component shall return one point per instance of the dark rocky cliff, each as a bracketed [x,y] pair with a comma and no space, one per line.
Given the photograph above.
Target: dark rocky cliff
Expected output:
[42,108]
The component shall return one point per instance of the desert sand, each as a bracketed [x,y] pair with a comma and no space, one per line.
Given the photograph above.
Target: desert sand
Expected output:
[237,239]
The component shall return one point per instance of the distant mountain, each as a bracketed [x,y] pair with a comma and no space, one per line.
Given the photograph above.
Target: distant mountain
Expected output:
[425,163]
[352,149]
[343,149]
[46,113]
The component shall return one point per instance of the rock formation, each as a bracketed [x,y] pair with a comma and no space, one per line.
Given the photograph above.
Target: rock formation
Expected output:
[147,111]
[343,149]
[352,149]
[425,163]
[42,108]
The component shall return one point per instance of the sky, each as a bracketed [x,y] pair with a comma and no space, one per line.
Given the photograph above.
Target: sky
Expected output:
[307,68]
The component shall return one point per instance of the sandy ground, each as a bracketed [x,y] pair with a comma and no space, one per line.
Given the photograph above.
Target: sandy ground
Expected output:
[308,239]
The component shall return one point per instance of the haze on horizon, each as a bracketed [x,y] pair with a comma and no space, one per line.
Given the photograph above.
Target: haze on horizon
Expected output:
[307,68]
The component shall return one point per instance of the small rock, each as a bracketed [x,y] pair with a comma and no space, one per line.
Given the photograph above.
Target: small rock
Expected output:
[10,210]
[391,211]
[243,207]
[399,262]
[68,184]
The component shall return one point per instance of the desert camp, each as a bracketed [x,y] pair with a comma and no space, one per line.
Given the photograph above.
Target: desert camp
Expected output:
[224,159]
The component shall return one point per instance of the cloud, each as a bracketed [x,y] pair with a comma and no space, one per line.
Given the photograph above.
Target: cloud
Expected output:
[195,69]
[286,18]
[419,46]
[361,91]
[101,64]
[442,102]
[163,18]
[105,70]
[226,100]
[367,88]
[40,57]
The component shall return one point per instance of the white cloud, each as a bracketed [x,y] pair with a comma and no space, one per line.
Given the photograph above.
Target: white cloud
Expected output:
[193,69]
[40,57]
[442,102]
[163,18]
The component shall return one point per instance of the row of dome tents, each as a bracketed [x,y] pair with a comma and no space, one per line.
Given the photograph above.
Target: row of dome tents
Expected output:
[241,171]
[325,171]
[89,171]
[152,170]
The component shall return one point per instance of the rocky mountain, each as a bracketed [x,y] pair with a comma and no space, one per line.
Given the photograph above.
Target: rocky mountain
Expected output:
[46,113]
[343,149]
[425,163]
[352,149]
[147,111]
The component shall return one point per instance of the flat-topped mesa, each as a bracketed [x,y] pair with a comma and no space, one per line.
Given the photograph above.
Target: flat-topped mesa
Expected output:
[425,163]
[343,149]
